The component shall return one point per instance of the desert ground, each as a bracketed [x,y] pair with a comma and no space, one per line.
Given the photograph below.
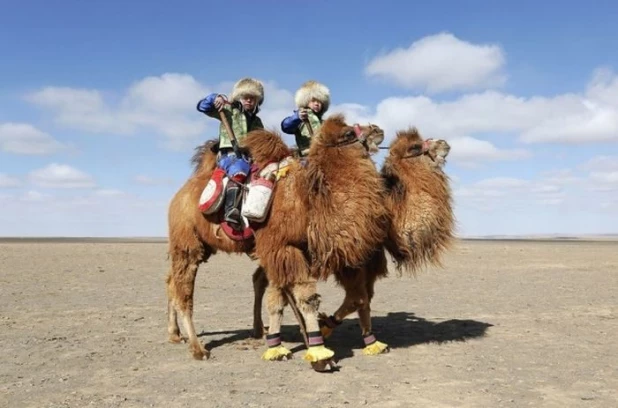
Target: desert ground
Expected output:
[502,324]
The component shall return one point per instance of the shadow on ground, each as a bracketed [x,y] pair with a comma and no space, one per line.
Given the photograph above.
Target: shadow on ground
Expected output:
[397,329]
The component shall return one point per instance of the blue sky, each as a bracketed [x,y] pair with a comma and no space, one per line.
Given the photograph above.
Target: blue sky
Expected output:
[98,119]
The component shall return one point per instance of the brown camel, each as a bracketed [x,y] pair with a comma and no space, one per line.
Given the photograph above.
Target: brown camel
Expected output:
[418,202]
[306,237]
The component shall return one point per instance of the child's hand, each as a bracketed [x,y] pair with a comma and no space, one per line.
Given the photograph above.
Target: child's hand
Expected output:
[219,102]
[302,114]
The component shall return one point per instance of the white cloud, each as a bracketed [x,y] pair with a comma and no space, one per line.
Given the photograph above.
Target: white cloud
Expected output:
[23,138]
[442,62]
[107,192]
[94,213]
[164,104]
[503,192]
[7,181]
[61,176]
[478,124]
[34,196]
[601,163]
[452,121]
[151,181]
[586,200]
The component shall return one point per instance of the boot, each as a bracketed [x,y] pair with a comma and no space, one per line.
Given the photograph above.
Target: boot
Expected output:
[232,212]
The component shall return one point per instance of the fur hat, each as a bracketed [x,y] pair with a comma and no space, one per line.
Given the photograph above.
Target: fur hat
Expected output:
[248,86]
[310,90]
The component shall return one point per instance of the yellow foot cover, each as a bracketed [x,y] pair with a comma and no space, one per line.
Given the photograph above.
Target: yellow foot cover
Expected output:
[276,353]
[318,353]
[376,348]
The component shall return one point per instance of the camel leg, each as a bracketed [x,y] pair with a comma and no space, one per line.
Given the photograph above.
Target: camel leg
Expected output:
[377,267]
[181,284]
[260,283]
[275,303]
[308,301]
[352,281]
[372,345]
[172,315]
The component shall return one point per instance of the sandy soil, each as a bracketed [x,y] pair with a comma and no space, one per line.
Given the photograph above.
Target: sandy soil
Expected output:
[514,324]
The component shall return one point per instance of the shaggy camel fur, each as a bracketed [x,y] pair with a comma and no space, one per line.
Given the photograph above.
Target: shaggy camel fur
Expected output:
[417,198]
[339,203]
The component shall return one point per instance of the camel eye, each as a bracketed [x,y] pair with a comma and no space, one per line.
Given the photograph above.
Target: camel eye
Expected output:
[350,134]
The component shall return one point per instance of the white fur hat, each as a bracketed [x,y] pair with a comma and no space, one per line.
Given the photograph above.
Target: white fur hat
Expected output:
[248,86]
[310,90]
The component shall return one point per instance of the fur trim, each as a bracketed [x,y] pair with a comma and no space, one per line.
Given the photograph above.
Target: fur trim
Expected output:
[310,90]
[248,86]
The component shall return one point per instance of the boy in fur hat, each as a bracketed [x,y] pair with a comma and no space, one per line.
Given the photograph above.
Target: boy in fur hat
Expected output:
[312,100]
[241,113]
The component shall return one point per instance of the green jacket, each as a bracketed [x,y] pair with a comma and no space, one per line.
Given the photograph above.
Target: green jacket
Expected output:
[238,121]
[293,125]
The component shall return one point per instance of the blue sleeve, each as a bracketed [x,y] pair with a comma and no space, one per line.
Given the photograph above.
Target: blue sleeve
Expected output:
[207,105]
[291,123]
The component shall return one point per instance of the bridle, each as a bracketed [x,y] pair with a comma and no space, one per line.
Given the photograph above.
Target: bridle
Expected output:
[419,149]
[361,137]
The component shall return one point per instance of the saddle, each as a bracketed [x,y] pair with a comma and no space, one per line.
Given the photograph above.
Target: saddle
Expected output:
[255,198]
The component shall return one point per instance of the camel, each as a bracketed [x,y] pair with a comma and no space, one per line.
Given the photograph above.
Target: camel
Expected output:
[417,199]
[321,220]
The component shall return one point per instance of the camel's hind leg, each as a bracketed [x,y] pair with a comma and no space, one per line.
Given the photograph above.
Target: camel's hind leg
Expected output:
[180,288]
[172,315]
[260,283]
[275,303]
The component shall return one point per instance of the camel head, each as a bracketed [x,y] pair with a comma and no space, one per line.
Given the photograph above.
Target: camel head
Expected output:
[374,135]
[409,144]
[335,132]
[438,150]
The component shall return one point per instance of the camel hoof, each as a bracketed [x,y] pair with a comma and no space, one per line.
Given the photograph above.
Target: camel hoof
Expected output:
[278,353]
[376,348]
[176,339]
[323,365]
[200,353]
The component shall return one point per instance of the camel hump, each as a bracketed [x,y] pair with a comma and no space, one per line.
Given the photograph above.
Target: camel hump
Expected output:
[265,146]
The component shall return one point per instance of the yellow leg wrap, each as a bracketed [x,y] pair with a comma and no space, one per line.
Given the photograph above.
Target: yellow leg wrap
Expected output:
[318,353]
[276,353]
[376,348]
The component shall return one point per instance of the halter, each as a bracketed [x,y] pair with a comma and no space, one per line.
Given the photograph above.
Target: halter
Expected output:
[360,138]
[420,149]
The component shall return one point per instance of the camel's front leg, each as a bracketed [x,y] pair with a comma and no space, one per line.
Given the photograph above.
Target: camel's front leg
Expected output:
[308,301]
[276,303]
[358,294]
